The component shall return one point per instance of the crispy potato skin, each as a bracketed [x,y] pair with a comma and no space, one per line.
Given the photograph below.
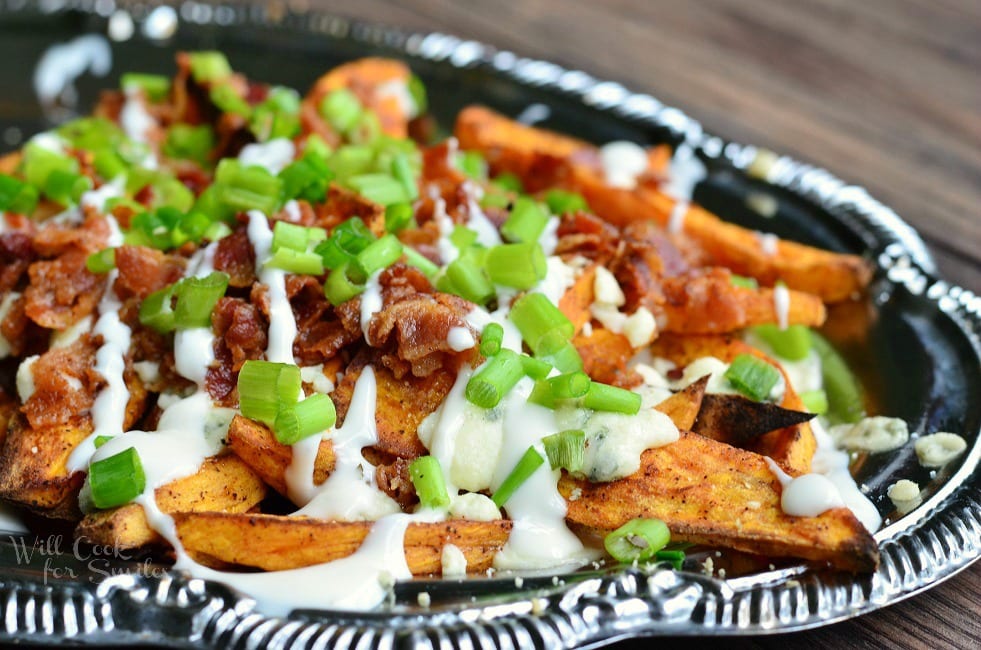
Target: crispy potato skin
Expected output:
[710,493]
[223,484]
[275,543]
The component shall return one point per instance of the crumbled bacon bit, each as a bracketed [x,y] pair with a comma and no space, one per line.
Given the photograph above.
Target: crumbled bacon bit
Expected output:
[235,256]
[62,291]
[145,270]
[65,384]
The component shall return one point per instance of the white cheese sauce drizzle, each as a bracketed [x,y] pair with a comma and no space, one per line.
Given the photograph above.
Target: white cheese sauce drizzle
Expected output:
[487,234]
[685,171]
[768,242]
[371,301]
[676,220]
[194,347]
[133,117]
[781,304]
[622,163]
[282,324]
[273,156]
[460,339]
[447,249]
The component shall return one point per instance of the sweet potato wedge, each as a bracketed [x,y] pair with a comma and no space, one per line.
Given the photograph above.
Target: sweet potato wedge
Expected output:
[738,421]
[711,493]
[791,447]
[527,151]
[223,484]
[604,355]
[576,300]
[272,542]
[683,407]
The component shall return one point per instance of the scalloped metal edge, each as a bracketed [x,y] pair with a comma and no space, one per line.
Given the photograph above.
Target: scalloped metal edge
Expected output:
[937,541]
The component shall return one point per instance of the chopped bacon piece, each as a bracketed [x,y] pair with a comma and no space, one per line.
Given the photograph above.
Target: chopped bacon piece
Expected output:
[145,270]
[62,291]
[89,237]
[235,256]
[65,384]
[16,254]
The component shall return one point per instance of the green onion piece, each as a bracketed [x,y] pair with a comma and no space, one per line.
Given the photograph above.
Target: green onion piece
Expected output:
[463,237]
[491,338]
[815,401]
[295,237]
[742,281]
[339,287]
[526,222]
[566,449]
[277,116]
[227,100]
[314,144]
[565,358]
[427,478]
[101,440]
[92,133]
[116,480]
[535,368]
[509,182]
[398,217]
[403,174]
[673,557]
[844,393]
[537,318]
[530,461]
[216,231]
[351,160]
[156,87]
[472,164]
[603,397]
[367,130]
[521,266]
[66,187]
[209,66]
[420,261]
[346,240]
[101,261]
[300,262]
[417,90]
[188,142]
[341,109]
[265,388]
[495,199]
[307,178]
[38,163]
[157,310]
[209,204]
[752,376]
[196,299]
[637,540]
[16,196]
[468,279]
[562,202]
[379,254]
[380,188]
[246,188]
[570,385]
[108,164]
[488,386]
[792,343]
[312,415]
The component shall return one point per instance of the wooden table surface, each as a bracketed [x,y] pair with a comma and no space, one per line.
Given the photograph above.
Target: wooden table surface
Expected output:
[884,93]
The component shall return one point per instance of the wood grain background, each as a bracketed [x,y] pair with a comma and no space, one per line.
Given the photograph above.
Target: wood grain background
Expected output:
[884,93]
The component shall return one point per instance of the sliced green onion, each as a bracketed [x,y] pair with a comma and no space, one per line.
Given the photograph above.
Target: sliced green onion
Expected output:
[675,558]
[744,282]
[351,160]
[526,222]
[566,449]
[495,199]
[543,327]
[346,240]
[367,130]
[16,196]
[66,187]
[247,188]
[417,90]
[398,217]
[116,480]
[752,376]
[314,144]
[535,368]
[188,142]
[427,478]
[265,388]
[209,66]
[565,358]
[341,109]
[637,540]
[227,99]
[38,163]
[793,342]
[468,279]
[101,261]
[521,266]
[157,310]
[339,287]
[92,133]
[603,397]
[314,414]
[101,440]
[302,263]
[570,385]
[815,401]
[562,202]
[403,174]
[379,254]
[490,339]
[472,164]
[844,393]
[529,463]
[295,237]
[196,299]
[488,386]
[379,188]
[277,116]
[420,261]
[463,237]
[509,182]
[108,164]
[307,178]
[156,87]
